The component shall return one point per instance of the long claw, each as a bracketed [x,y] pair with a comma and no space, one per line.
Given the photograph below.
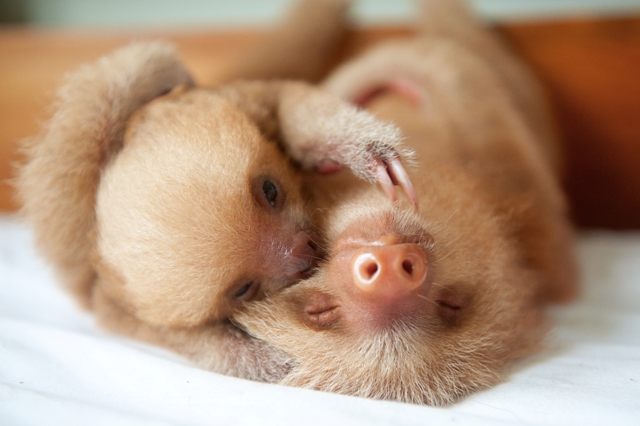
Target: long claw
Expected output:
[400,175]
[382,176]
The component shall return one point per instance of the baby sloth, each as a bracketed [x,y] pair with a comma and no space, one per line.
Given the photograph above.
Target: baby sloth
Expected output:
[429,306]
[165,206]
[176,201]
[419,306]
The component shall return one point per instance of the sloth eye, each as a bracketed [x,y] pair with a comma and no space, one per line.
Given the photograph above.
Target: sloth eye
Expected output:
[244,290]
[270,192]
[247,291]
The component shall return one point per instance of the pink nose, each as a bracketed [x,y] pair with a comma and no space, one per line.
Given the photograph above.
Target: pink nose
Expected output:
[389,270]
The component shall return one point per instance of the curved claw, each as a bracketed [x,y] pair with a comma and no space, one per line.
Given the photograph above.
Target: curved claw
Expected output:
[398,173]
[384,180]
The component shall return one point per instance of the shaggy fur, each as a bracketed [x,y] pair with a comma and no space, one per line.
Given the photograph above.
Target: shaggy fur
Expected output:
[175,200]
[492,224]
[303,46]
[58,184]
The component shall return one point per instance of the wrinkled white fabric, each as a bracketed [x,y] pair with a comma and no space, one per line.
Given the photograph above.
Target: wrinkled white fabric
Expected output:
[58,368]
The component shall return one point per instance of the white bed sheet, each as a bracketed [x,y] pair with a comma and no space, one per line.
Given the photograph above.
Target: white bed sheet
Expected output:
[57,367]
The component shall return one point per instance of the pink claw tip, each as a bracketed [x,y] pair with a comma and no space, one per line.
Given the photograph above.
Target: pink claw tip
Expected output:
[385,182]
[400,175]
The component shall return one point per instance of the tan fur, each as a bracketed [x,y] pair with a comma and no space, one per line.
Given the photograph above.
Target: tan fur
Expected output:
[309,36]
[492,222]
[179,217]
[219,347]
[154,189]
[59,182]
[181,230]
[175,225]
[58,185]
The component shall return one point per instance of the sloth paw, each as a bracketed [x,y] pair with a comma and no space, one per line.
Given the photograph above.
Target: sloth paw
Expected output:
[383,164]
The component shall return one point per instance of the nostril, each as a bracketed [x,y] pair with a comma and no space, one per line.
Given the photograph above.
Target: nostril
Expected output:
[407,265]
[371,269]
[414,267]
[389,272]
[366,268]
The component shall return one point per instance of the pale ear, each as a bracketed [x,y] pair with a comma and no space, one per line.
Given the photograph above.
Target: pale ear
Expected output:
[58,183]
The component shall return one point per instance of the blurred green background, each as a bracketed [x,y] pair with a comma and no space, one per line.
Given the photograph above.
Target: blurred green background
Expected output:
[238,13]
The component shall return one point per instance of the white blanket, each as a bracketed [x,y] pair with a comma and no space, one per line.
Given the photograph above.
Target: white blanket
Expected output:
[57,367]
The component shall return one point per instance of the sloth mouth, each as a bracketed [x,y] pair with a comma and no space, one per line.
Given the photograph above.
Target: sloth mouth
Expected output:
[449,305]
[324,318]
[321,311]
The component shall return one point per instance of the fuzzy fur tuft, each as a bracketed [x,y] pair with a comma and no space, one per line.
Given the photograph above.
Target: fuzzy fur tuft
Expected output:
[57,186]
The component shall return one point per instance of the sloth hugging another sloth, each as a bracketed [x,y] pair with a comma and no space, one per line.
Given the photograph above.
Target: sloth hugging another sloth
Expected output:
[195,218]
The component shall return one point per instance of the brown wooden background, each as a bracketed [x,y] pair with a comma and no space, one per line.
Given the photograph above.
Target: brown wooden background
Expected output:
[591,68]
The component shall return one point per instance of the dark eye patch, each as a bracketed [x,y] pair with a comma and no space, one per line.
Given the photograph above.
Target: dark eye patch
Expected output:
[270,192]
[247,291]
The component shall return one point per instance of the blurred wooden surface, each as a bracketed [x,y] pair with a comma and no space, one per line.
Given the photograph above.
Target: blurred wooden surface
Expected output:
[591,67]
[592,72]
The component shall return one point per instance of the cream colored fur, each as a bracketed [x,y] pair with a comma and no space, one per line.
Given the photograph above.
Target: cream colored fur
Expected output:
[492,221]
[66,160]
[149,192]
